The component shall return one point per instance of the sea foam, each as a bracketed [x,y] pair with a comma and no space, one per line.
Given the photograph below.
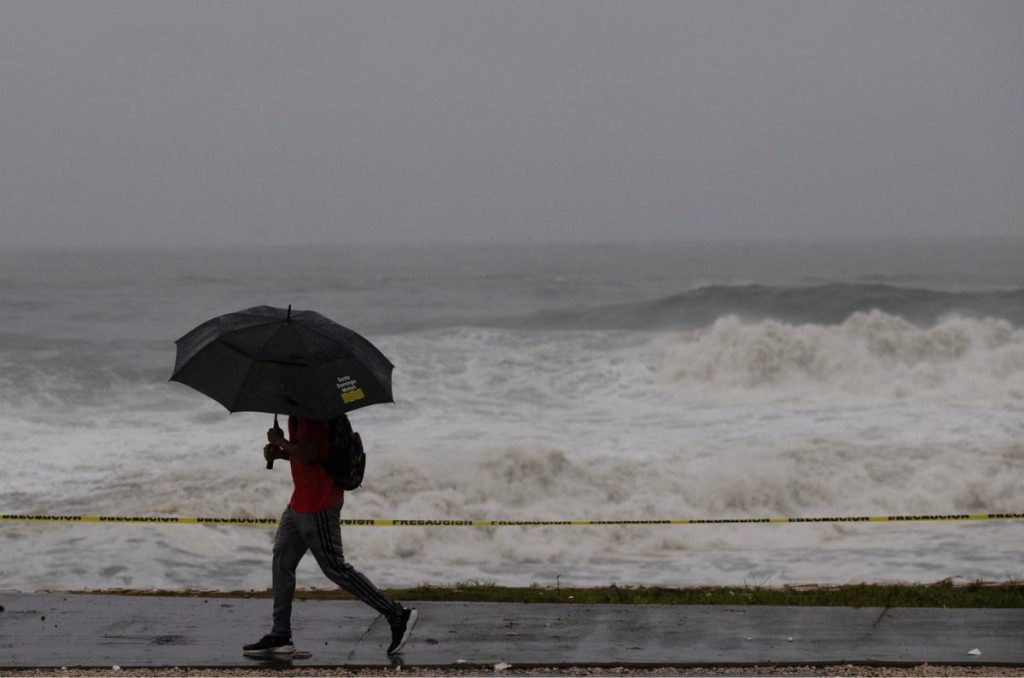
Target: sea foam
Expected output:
[871,352]
[530,386]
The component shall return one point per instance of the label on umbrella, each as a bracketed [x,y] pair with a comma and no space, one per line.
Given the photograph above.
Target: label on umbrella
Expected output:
[352,396]
[350,391]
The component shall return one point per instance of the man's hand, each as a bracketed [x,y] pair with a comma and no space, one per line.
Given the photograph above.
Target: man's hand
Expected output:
[272,452]
[304,451]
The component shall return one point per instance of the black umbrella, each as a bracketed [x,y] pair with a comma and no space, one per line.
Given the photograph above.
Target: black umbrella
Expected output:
[266,359]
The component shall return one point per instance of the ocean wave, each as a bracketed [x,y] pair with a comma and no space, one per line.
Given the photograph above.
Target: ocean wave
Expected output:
[494,424]
[548,483]
[65,378]
[831,303]
[871,352]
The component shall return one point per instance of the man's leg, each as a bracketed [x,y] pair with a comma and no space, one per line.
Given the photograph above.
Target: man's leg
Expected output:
[289,547]
[325,543]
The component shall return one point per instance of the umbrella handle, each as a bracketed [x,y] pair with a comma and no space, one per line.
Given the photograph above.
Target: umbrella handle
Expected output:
[270,462]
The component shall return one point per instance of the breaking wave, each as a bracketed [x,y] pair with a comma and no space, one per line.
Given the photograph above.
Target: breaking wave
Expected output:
[867,352]
[818,304]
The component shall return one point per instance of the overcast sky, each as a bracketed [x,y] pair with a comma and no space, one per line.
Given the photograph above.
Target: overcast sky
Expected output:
[197,123]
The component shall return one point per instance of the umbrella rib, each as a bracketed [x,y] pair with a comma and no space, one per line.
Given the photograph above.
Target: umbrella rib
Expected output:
[246,329]
[347,350]
[236,329]
[252,363]
[234,348]
[305,350]
[333,340]
[238,393]
[216,340]
[315,367]
[336,342]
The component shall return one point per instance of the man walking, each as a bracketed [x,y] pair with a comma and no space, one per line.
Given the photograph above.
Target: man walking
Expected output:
[310,522]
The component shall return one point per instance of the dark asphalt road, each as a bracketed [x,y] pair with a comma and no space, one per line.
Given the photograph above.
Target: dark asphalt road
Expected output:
[54,630]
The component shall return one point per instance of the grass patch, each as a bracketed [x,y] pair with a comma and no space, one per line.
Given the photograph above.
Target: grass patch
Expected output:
[941,594]
[945,593]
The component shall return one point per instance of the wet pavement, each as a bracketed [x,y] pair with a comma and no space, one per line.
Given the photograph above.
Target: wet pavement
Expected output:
[75,630]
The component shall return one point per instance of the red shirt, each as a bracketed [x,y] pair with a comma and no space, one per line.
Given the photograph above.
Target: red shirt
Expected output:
[314,489]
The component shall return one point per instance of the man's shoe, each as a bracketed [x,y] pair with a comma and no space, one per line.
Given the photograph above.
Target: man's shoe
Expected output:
[402,629]
[269,645]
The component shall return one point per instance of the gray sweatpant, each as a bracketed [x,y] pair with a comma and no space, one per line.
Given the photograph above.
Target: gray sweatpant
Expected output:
[321,534]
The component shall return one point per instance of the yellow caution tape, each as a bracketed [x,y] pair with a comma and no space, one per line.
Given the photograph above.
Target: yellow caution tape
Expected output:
[368,522]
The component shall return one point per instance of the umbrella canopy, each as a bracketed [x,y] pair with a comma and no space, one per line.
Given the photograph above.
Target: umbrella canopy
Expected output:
[267,359]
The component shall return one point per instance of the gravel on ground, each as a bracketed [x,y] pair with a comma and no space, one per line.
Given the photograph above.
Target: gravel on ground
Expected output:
[507,671]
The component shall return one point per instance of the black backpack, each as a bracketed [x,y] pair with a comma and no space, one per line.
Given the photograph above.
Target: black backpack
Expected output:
[346,460]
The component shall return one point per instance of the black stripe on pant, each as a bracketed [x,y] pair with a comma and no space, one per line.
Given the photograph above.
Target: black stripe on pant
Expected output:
[321,534]
[327,549]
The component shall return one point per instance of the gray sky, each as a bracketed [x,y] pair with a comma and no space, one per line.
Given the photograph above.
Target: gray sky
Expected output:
[196,123]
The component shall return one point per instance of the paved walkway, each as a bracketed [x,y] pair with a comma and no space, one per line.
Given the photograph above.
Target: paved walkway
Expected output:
[53,630]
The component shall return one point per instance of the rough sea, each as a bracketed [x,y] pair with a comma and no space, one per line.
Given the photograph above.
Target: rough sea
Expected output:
[552,382]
